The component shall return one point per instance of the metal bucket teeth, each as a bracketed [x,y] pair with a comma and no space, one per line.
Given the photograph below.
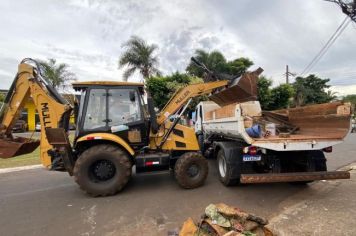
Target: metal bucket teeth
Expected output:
[242,89]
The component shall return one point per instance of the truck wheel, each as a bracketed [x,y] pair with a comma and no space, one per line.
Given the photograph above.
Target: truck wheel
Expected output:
[318,163]
[191,170]
[201,143]
[225,170]
[102,170]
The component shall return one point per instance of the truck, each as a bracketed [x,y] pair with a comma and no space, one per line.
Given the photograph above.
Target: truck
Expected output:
[247,153]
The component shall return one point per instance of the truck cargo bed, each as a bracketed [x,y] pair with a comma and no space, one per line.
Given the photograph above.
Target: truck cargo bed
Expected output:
[318,126]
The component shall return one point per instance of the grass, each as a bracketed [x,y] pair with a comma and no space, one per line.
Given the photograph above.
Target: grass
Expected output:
[23,160]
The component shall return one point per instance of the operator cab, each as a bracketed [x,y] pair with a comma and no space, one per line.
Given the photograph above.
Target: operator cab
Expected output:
[113,107]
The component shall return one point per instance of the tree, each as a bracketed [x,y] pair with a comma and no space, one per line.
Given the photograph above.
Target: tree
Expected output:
[239,66]
[56,74]
[138,56]
[162,88]
[280,96]
[264,92]
[217,63]
[350,98]
[311,90]
[273,98]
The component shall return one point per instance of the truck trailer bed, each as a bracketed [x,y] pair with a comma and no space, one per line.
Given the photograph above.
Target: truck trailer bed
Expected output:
[318,126]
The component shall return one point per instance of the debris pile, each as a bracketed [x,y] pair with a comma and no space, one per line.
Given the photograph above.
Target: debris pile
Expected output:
[223,220]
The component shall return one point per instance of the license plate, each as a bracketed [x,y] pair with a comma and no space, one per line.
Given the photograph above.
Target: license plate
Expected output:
[251,158]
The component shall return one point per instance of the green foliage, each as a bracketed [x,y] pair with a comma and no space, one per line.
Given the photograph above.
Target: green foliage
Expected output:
[217,63]
[273,98]
[264,92]
[159,90]
[2,97]
[56,74]
[138,56]
[280,96]
[162,88]
[350,98]
[238,66]
[311,90]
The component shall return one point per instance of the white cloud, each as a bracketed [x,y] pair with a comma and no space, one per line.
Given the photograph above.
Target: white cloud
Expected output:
[88,35]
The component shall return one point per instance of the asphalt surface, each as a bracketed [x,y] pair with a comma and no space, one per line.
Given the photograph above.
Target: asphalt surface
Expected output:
[40,202]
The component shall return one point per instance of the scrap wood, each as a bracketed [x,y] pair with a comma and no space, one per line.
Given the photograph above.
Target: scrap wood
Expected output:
[238,213]
[189,228]
[281,120]
[223,220]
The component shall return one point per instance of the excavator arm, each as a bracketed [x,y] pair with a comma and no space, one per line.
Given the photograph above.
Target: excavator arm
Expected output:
[184,94]
[53,110]
[222,92]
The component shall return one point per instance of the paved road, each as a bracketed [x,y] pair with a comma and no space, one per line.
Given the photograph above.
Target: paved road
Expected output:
[39,202]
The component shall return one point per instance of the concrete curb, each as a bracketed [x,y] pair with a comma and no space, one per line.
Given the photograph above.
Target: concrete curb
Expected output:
[20,168]
[291,211]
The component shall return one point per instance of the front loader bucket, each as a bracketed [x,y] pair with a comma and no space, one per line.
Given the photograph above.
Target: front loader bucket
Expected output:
[17,146]
[242,89]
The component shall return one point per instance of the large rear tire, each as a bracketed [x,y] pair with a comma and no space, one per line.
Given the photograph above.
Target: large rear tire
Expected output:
[102,170]
[316,161]
[191,170]
[225,170]
[201,142]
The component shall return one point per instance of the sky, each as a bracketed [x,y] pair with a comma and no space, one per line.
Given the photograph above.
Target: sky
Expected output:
[88,35]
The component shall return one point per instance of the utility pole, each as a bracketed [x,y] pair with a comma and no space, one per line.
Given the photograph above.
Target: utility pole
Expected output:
[288,73]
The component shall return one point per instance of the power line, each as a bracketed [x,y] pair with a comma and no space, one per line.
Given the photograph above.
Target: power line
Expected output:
[347,7]
[326,47]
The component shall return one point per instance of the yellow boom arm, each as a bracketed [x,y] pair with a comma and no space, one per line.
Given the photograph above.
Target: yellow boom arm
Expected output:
[184,94]
[51,110]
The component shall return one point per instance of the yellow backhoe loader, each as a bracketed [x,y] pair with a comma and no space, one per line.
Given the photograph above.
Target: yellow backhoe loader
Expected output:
[114,131]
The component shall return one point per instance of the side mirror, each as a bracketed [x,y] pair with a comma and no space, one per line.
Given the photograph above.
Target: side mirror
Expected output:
[132,96]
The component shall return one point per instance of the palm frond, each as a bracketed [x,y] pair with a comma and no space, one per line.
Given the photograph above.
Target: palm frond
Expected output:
[128,72]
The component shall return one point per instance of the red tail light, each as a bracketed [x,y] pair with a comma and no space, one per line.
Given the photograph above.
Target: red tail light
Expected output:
[328,149]
[252,150]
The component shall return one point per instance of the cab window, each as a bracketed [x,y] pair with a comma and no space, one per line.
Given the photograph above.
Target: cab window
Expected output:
[96,110]
[124,106]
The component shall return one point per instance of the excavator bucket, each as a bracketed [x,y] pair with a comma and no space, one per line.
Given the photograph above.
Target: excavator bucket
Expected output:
[241,89]
[17,146]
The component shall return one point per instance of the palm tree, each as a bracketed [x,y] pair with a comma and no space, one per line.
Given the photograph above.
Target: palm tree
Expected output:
[56,74]
[217,62]
[331,95]
[138,56]
[214,60]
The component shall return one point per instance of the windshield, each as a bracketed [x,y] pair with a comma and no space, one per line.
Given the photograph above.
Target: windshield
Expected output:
[124,106]
[112,107]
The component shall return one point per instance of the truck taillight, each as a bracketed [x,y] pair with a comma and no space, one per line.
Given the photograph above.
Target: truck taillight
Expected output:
[328,149]
[252,150]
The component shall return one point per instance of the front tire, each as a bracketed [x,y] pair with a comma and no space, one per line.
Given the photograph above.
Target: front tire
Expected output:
[191,170]
[102,170]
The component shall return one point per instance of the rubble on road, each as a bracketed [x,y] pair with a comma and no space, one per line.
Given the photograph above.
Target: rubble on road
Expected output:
[223,220]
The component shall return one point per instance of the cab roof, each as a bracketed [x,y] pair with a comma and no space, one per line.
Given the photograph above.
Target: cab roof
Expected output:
[85,84]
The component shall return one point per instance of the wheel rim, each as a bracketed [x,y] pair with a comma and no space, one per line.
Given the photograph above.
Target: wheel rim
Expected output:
[102,170]
[222,166]
[193,171]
